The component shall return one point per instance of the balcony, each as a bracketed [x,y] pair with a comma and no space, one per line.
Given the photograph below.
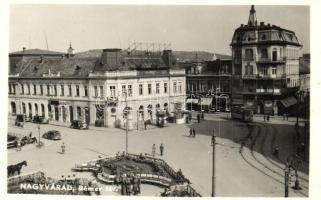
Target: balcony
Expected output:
[270,60]
[263,76]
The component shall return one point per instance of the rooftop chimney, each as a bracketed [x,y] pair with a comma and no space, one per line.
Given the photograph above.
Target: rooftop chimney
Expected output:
[111,57]
[168,57]
[23,49]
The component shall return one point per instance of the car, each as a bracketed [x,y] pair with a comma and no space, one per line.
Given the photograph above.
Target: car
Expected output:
[40,120]
[78,124]
[12,141]
[20,120]
[52,135]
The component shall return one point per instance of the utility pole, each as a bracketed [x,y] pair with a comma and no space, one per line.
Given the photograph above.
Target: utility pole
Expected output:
[286,180]
[39,135]
[213,165]
[126,112]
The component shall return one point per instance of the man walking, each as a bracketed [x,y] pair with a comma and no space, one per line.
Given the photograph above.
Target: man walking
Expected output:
[145,124]
[161,149]
[63,148]
[194,133]
[191,132]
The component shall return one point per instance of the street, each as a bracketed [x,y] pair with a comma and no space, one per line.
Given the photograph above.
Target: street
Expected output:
[255,172]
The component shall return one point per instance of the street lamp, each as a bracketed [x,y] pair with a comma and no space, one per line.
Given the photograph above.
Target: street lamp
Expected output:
[39,143]
[213,165]
[126,112]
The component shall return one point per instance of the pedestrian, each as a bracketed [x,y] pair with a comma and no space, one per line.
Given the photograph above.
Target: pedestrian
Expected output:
[63,148]
[153,150]
[276,150]
[287,116]
[198,118]
[145,124]
[191,132]
[161,149]
[30,134]
[190,116]
[264,117]
[19,145]
[194,133]
[268,118]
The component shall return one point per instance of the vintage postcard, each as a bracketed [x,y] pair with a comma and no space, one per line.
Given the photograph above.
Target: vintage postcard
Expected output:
[158,100]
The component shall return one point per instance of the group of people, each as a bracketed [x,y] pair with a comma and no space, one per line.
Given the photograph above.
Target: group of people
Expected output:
[192,132]
[161,150]
[266,118]
[130,184]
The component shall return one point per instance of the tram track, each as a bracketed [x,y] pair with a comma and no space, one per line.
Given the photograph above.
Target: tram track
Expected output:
[261,150]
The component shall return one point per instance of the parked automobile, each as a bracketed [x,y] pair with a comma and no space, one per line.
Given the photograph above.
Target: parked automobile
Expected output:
[78,124]
[40,120]
[52,135]
[12,141]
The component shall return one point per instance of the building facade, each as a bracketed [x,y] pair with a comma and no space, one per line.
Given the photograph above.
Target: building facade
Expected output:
[104,89]
[265,66]
[208,85]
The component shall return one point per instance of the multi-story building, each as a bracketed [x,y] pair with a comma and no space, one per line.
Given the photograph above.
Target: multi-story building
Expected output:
[208,84]
[105,89]
[265,66]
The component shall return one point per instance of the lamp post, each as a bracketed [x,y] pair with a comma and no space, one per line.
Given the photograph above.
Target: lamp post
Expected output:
[39,144]
[213,165]
[126,112]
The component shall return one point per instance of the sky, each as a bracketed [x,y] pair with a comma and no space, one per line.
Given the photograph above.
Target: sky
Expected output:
[191,28]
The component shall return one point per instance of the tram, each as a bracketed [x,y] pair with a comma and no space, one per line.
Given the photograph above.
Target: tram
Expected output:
[242,113]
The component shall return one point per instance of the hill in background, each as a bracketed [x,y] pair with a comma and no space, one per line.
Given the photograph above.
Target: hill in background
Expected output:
[182,56]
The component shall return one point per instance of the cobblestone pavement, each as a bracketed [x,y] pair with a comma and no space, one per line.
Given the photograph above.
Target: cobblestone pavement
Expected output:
[250,173]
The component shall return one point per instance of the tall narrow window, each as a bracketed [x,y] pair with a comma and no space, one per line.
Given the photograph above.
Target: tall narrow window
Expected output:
[48,90]
[101,88]
[70,91]
[55,90]
[28,87]
[123,90]
[249,54]
[180,87]
[174,87]
[149,86]
[41,89]
[273,70]
[95,91]
[157,88]
[112,91]
[34,89]
[62,90]
[140,89]
[165,87]
[77,90]
[86,90]
[130,90]
[22,89]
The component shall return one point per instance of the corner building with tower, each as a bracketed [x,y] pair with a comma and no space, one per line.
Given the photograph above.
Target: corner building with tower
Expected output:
[265,67]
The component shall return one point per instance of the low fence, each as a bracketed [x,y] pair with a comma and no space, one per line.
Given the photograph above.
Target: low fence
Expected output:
[94,165]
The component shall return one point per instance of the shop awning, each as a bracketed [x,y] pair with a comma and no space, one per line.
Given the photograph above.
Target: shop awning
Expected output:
[192,101]
[206,101]
[289,101]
